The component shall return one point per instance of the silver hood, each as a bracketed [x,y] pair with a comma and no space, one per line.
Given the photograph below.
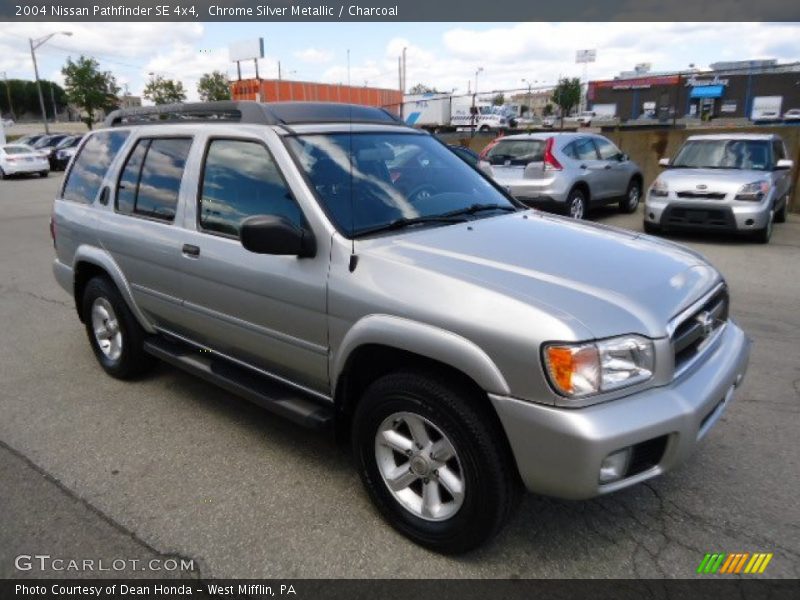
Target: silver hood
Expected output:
[610,281]
[728,181]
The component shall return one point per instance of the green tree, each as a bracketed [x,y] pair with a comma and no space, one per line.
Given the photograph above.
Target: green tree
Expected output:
[164,91]
[421,88]
[25,98]
[499,100]
[547,110]
[214,86]
[567,95]
[88,87]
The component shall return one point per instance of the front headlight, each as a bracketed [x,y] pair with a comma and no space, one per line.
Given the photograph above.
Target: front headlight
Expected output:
[753,191]
[584,369]
[659,188]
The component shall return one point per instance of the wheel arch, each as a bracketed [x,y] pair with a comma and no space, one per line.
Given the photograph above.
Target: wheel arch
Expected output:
[90,262]
[583,186]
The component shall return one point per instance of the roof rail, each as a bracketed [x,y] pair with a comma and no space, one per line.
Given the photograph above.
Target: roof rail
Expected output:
[255,113]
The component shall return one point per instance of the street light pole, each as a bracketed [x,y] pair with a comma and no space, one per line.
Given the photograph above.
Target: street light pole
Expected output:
[474,98]
[34,45]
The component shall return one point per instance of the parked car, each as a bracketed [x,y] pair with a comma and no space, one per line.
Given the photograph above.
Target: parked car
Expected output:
[19,159]
[47,145]
[63,152]
[467,154]
[461,343]
[30,139]
[584,119]
[730,182]
[792,115]
[549,122]
[564,172]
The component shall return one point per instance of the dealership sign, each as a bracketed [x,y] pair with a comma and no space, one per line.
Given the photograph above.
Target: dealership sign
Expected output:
[693,81]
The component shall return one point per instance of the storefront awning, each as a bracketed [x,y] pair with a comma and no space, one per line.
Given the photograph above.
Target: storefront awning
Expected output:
[707,91]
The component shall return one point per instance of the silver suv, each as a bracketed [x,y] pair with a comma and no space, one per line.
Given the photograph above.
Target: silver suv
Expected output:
[564,172]
[348,272]
[723,182]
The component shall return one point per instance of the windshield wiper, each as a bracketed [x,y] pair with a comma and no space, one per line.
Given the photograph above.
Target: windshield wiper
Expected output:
[476,208]
[407,222]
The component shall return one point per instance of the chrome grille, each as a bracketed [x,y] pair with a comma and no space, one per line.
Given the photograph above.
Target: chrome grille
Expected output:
[693,331]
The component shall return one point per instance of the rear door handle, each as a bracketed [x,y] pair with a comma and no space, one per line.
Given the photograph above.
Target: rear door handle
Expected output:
[607,167]
[191,250]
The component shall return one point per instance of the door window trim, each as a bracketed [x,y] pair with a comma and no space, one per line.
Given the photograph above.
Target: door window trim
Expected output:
[202,175]
[134,145]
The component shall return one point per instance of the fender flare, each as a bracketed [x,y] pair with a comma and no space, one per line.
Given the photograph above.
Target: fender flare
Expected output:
[101,258]
[425,340]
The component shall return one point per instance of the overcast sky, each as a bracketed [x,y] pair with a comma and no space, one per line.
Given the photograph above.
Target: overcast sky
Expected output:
[443,55]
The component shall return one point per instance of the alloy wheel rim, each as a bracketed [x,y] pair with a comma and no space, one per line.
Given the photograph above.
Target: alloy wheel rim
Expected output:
[633,197]
[576,208]
[420,466]
[105,326]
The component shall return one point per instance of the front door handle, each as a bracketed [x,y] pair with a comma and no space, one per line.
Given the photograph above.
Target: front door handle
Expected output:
[191,250]
[607,167]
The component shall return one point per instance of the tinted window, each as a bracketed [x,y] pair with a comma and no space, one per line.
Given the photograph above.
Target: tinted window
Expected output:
[724,154]
[240,179]
[778,151]
[516,152]
[150,182]
[89,167]
[583,149]
[606,149]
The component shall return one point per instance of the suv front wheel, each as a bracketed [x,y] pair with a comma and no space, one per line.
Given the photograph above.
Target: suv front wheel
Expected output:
[116,337]
[433,461]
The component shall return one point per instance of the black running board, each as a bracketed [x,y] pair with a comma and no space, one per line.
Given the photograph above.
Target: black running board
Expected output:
[272,395]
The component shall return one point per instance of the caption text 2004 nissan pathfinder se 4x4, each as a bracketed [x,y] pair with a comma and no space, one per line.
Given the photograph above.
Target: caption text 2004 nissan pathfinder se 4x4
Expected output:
[347,271]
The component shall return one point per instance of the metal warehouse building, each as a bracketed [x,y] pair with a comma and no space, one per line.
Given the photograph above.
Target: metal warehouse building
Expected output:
[727,90]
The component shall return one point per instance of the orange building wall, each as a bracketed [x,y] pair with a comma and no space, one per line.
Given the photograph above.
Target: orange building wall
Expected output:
[273,90]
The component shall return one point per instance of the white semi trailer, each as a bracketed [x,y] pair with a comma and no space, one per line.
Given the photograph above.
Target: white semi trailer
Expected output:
[443,112]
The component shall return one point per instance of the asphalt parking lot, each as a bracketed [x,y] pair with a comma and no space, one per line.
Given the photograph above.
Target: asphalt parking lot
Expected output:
[169,467]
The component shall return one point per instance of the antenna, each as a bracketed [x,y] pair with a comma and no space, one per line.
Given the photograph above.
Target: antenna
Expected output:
[353,256]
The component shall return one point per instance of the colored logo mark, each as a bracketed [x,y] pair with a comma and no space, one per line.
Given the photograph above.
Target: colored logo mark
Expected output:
[740,562]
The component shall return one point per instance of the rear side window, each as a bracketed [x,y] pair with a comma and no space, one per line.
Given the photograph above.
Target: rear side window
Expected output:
[778,152]
[91,164]
[584,149]
[606,149]
[240,179]
[151,179]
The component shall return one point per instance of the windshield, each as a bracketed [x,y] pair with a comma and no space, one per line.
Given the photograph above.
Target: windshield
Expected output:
[724,154]
[395,177]
[516,152]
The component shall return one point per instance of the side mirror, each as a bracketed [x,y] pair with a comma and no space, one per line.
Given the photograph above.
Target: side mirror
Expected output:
[622,157]
[269,234]
[663,162]
[784,163]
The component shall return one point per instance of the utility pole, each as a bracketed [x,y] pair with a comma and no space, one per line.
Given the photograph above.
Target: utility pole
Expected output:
[53,100]
[34,45]
[8,93]
[405,64]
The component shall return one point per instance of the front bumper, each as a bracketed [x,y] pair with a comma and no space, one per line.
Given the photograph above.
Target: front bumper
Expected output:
[559,451]
[723,216]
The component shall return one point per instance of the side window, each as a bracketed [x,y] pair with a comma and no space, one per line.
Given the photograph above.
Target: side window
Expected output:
[584,149]
[606,149]
[151,179]
[240,179]
[91,164]
[569,150]
[778,152]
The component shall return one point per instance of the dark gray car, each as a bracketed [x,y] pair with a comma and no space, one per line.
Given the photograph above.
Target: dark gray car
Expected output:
[351,273]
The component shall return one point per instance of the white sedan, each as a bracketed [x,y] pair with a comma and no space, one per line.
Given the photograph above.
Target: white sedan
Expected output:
[16,159]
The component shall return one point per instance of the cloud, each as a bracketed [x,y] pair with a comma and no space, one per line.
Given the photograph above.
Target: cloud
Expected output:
[313,55]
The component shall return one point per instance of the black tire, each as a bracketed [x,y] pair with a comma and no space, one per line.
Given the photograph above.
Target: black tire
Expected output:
[575,198]
[780,215]
[132,360]
[651,228]
[763,236]
[627,205]
[490,482]
[3,174]
[44,173]
[484,128]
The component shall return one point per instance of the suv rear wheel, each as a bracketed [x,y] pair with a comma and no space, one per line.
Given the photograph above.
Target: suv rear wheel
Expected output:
[630,203]
[576,204]
[116,337]
[433,462]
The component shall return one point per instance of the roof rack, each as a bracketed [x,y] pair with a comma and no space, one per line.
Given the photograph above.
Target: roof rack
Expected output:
[254,113]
